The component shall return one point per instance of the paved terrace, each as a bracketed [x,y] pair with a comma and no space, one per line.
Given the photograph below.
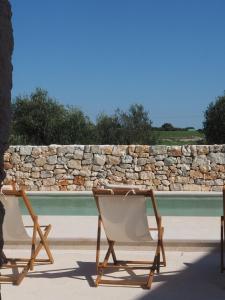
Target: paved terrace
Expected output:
[189,275]
[180,232]
[193,270]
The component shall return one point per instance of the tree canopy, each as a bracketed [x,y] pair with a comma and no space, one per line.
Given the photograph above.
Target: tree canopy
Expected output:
[40,120]
[167,127]
[214,121]
[132,127]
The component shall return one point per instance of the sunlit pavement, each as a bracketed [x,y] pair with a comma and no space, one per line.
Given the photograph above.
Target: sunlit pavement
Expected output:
[188,275]
[191,272]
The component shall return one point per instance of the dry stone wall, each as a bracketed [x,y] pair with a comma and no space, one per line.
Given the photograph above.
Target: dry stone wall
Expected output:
[81,167]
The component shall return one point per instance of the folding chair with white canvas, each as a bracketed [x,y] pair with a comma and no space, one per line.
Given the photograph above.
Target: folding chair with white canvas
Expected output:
[14,232]
[123,215]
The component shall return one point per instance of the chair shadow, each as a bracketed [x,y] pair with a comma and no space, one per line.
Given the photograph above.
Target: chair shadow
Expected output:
[85,271]
[200,280]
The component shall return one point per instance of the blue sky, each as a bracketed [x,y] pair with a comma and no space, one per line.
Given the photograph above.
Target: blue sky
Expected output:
[99,55]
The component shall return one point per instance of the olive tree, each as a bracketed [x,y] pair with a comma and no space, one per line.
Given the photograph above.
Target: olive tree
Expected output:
[131,127]
[77,129]
[167,127]
[214,121]
[39,119]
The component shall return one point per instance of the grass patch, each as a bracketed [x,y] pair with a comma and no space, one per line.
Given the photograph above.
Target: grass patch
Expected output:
[180,137]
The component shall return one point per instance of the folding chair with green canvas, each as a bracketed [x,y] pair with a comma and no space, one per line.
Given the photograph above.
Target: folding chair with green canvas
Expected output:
[14,232]
[123,214]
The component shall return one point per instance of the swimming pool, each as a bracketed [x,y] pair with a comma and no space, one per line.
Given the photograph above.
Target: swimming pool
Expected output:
[169,204]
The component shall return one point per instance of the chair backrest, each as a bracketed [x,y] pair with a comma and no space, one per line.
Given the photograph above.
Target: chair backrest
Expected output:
[124,214]
[13,226]
[121,186]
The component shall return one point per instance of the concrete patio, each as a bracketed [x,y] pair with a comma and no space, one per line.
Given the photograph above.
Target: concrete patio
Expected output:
[192,272]
[189,275]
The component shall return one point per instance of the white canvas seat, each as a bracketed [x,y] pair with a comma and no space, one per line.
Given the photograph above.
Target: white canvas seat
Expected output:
[13,227]
[123,215]
[15,231]
[124,211]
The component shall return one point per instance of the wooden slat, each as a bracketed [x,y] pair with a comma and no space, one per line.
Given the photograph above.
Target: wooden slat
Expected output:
[123,282]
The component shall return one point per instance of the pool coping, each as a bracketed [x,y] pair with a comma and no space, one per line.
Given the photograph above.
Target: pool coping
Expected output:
[89,193]
[170,245]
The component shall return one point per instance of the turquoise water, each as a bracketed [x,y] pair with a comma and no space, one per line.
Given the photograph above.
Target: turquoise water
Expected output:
[85,205]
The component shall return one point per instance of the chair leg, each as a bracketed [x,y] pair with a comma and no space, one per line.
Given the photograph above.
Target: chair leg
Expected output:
[98,243]
[162,248]
[156,261]
[158,257]
[43,243]
[111,244]
[17,275]
[152,271]
[22,275]
[222,244]
[100,270]
[33,246]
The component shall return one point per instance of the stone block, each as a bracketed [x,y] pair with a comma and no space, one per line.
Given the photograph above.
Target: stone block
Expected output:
[107,149]
[49,181]
[186,150]
[99,159]
[46,174]
[25,150]
[176,187]
[218,158]
[40,162]
[63,150]
[87,161]
[78,154]
[52,159]
[119,150]
[174,151]
[142,161]
[158,149]
[79,180]
[202,149]
[74,164]
[15,159]
[127,159]
[96,149]
[146,175]
[35,175]
[113,160]
[133,176]
[169,161]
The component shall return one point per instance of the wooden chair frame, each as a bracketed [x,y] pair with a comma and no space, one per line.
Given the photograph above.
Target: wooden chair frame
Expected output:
[152,266]
[222,235]
[21,266]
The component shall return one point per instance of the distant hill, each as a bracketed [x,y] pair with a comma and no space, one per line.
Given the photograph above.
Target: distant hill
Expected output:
[180,137]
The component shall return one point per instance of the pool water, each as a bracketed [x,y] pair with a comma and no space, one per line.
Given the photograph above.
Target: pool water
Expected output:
[85,205]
